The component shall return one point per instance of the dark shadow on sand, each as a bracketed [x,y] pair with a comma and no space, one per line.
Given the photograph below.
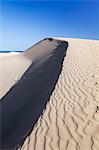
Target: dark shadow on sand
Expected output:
[24,103]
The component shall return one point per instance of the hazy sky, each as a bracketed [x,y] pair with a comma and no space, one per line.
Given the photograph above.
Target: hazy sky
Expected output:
[24,23]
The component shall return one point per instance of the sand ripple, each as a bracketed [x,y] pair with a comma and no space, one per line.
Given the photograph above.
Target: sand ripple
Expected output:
[71,118]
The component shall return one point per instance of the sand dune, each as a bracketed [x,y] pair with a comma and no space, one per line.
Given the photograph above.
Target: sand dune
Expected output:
[24,103]
[69,87]
[71,118]
[13,66]
[8,54]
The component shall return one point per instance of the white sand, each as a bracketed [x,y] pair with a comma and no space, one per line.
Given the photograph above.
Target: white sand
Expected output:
[71,118]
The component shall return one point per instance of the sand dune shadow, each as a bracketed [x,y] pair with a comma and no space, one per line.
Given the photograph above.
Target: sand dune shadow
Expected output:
[24,103]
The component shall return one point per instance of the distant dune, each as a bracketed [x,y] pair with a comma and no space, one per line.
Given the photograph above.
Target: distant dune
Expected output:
[50,96]
[2,54]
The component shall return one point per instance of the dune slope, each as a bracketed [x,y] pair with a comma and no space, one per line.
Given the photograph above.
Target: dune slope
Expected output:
[71,118]
[13,66]
[24,103]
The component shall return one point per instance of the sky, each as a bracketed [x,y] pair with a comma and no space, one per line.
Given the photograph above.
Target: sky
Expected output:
[24,22]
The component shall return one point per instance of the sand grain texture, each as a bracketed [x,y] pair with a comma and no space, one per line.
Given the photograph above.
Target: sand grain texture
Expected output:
[70,120]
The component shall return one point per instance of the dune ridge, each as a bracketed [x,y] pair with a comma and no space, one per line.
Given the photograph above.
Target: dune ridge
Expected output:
[25,101]
[14,65]
[71,118]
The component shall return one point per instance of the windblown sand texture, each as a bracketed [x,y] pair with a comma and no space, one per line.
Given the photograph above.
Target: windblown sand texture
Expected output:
[24,102]
[64,78]
[70,120]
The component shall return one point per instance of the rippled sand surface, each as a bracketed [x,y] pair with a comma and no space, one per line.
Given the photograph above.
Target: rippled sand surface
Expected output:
[70,120]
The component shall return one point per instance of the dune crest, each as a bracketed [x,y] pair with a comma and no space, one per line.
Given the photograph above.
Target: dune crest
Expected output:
[14,65]
[71,118]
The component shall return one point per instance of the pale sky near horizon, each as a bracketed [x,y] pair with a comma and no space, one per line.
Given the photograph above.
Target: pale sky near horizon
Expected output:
[23,23]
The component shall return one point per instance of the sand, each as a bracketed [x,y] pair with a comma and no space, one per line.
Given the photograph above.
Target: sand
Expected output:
[25,101]
[70,120]
[14,65]
[8,54]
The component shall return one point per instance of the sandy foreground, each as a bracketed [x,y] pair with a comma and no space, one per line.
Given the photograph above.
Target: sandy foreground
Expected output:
[70,120]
